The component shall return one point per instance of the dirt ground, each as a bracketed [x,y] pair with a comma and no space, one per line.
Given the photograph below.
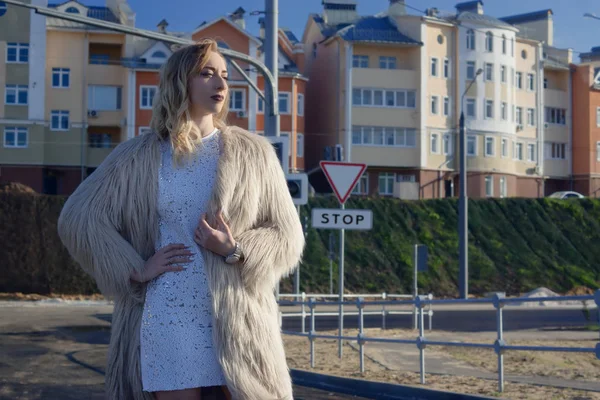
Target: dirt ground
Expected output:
[564,365]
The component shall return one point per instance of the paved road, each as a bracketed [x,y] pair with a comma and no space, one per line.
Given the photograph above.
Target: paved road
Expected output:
[59,353]
[478,320]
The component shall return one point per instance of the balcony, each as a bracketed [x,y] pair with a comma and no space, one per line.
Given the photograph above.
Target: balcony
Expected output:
[106,118]
[101,141]
[556,98]
[105,64]
[385,78]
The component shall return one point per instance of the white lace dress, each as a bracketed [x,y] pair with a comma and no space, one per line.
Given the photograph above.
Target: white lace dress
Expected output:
[176,342]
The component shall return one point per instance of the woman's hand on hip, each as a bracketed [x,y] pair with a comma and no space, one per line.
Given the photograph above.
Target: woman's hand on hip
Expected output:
[219,240]
[162,261]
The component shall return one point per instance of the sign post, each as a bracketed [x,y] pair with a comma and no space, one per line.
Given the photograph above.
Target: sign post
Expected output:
[342,177]
[420,264]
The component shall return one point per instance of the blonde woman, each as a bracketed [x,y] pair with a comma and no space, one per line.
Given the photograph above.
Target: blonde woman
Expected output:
[189,228]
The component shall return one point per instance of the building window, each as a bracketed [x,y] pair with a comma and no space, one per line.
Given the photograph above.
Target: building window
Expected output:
[519,80]
[471,108]
[489,72]
[260,106]
[519,151]
[489,42]
[503,187]
[15,137]
[530,117]
[387,62]
[435,143]
[446,68]
[434,66]
[17,52]
[598,116]
[556,116]
[531,152]
[597,151]
[489,186]
[446,106]
[504,148]
[72,10]
[59,120]
[60,77]
[471,39]
[471,145]
[556,151]
[524,54]
[503,44]
[300,104]
[545,83]
[158,54]
[490,147]
[489,109]
[384,136]
[447,144]
[393,98]
[359,61]
[147,94]
[503,73]
[386,183]
[531,82]
[362,186]
[470,70]
[237,100]
[503,111]
[519,116]
[104,98]
[16,95]
[299,145]
[435,105]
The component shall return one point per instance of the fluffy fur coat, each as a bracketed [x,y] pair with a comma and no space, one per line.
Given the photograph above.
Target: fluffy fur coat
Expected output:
[109,225]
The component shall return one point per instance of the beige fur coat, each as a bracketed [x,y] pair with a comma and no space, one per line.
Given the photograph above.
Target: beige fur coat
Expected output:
[109,225]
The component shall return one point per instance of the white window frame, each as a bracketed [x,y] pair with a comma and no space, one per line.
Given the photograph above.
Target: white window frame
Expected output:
[531,82]
[519,80]
[472,100]
[150,99]
[60,114]
[289,101]
[260,103]
[299,144]
[447,149]
[504,111]
[598,116]
[359,59]
[503,187]
[469,63]
[388,62]
[490,77]
[561,150]
[474,139]
[503,74]
[434,67]
[489,102]
[489,42]
[504,44]
[434,103]
[531,117]
[118,102]
[471,39]
[242,92]
[61,72]
[17,89]
[492,140]
[387,176]
[300,101]
[519,116]
[446,106]
[504,148]
[530,152]
[434,140]
[16,131]
[363,180]
[598,151]
[489,184]
[18,47]
[519,151]
[397,131]
[558,112]
[447,69]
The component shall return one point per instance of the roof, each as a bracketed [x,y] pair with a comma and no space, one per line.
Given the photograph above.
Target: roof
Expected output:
[290,35]
[97,12]
[482,19]
[552,63]
[528,17]
[377,28]
[468,5]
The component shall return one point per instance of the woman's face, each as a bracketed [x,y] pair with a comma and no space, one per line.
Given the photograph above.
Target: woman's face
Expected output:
[208,89]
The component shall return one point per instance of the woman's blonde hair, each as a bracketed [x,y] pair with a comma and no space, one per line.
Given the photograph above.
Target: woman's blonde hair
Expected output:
[170,112]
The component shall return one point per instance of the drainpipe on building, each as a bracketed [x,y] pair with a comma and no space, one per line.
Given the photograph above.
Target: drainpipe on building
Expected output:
[570,119]
[539,99]
[84,106]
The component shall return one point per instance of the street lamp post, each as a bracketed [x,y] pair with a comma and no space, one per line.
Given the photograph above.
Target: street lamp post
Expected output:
[463,216]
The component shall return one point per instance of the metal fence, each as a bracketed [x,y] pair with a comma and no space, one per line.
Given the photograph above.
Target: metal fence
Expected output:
[384,312]
[499,346]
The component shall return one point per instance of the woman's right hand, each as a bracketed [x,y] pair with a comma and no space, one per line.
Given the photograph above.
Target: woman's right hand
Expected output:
[162,261]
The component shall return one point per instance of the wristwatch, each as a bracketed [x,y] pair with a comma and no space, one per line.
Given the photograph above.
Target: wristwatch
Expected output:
[236,256]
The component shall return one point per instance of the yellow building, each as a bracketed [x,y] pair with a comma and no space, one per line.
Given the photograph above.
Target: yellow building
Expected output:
[386,90]
[62,87]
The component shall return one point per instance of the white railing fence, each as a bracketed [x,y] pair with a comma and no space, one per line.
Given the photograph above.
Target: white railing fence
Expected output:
[499,346]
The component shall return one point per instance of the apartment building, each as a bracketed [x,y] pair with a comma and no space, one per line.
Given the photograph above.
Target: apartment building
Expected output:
[392,99]
[71,92]
[586,124]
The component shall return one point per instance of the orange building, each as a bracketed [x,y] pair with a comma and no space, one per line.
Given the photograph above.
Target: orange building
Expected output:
[586,124]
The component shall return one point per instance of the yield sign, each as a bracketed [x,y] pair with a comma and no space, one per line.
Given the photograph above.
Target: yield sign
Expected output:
[342,177]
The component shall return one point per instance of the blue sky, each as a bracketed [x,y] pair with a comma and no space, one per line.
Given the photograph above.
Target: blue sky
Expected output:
[570,28]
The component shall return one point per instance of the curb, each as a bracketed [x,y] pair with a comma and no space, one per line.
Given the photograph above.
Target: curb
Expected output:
[374,390]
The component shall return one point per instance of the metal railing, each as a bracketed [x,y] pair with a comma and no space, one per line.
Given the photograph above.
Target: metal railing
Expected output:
[499,346]
[384,312]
